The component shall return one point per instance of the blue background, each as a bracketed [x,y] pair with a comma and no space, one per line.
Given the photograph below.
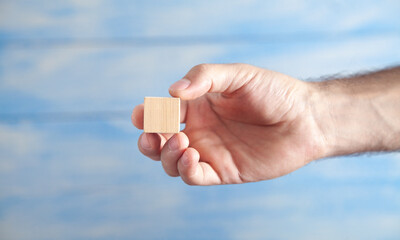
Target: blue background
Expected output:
[72,71]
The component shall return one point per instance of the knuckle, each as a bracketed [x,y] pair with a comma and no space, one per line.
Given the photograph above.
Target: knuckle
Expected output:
[239,64]
[155,158]
[133,117]
[150,154]
[244,67]
[172,174]
[169,168]
[190,181]
[201,68]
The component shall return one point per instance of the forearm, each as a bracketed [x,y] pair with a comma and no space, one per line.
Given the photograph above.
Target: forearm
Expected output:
[358,114]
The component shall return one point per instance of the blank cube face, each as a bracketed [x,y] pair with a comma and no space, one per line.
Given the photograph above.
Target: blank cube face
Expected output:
[161,115]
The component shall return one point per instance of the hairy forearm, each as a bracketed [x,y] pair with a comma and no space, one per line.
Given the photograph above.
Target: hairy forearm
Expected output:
[359,113]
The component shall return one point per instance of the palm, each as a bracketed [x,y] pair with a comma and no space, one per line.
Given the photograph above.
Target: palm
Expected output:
[241,148]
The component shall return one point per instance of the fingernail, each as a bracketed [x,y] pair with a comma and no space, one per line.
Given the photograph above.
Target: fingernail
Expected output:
[144,142]
[180,85]
[185,159]
[173,144]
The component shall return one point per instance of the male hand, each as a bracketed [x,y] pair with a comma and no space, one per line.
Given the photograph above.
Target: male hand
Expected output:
[243,124]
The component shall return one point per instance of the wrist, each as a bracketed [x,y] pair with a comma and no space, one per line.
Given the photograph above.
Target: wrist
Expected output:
[331,112]
[355,117]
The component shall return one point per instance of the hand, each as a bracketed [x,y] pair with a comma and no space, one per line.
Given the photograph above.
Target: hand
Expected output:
[243,124]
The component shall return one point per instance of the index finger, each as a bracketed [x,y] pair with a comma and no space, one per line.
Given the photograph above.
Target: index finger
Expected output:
[213,78]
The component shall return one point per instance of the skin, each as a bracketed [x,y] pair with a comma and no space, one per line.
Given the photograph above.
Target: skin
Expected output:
[246,124]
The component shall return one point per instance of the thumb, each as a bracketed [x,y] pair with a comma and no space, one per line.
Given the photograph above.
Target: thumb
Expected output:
[212,78]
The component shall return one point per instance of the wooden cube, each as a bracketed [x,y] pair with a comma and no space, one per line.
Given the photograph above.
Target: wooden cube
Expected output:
[161,115]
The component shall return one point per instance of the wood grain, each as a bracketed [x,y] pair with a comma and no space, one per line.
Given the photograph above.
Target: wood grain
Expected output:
[161,115]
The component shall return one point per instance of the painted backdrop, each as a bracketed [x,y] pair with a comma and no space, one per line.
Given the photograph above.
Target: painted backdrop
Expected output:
[72,71]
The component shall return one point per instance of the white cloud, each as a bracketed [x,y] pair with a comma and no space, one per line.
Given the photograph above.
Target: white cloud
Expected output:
[267,17]
[96,212]
[308,212]
[19,144]
[14,16]
[357,54]
[372,226]
[94,78]
[394,170]
[100,78]
[79,184]
[97,78]
[92,18]
[363,167]
[52,177]
[52,19]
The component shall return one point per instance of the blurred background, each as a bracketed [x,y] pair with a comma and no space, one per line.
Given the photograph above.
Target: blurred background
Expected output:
[72,71]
